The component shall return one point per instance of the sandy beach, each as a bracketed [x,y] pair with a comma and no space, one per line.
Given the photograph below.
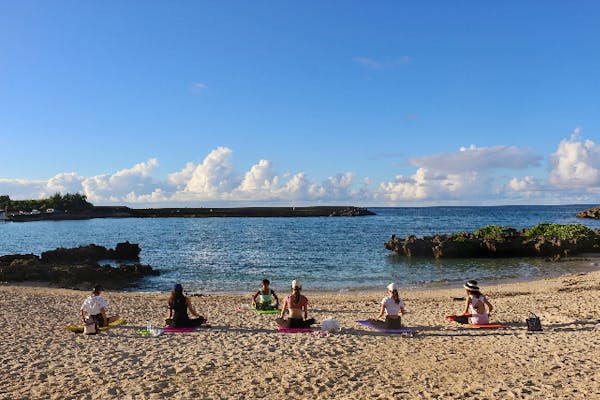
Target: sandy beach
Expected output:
[243,357]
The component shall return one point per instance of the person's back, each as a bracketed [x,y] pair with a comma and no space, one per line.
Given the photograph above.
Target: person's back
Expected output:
[180,314]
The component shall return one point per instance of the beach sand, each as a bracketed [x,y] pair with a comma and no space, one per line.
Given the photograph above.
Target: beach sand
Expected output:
[243,357]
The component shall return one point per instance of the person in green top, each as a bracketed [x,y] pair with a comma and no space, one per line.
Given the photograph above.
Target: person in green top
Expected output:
[265,297]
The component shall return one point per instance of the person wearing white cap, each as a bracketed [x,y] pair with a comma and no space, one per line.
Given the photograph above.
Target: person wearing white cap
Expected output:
[95,306]
[476,303]
[392,306]
[297,305]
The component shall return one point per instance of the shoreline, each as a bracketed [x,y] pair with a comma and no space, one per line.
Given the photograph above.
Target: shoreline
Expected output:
[586,263]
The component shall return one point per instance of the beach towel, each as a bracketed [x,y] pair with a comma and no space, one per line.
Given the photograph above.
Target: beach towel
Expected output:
[400,331]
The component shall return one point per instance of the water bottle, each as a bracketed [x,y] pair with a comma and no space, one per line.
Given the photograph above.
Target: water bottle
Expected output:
[148,326]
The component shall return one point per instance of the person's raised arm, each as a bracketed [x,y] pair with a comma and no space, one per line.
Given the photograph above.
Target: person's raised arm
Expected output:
[103,312]
[191,307]
[254,298]
[467,305]
[284,308]
[490,307]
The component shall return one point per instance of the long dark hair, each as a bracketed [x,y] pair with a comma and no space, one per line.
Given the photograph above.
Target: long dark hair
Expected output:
[395,296]
[296,295]
[176,297]
[475,293]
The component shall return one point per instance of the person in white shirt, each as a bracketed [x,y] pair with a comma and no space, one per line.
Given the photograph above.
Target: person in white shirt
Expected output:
[94,306]
[392,306]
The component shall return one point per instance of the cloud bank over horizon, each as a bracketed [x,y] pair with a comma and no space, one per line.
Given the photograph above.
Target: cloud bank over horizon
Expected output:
[468,176]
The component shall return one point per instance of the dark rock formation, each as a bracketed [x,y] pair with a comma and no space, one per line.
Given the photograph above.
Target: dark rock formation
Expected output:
[593,213]
[126,212]
[468,245]
[77,267]
[91,253]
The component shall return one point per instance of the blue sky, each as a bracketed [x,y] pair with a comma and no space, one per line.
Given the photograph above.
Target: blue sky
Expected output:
[289,103]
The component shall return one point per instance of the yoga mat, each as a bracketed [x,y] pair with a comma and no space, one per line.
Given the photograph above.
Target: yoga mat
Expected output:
[170,329]
[79,328]
[371,325]
[281,329]
[476,326]
[266,311]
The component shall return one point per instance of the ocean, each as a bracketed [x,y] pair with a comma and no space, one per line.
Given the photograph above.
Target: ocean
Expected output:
[232,255]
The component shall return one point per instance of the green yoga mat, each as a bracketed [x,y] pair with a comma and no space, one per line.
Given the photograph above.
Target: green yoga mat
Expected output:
[266,311]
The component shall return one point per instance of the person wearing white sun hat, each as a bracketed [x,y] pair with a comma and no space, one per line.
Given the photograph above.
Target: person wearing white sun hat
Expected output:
[392,306]
[297,305]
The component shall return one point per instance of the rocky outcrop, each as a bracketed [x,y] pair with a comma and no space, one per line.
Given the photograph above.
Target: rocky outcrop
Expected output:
[77,267]
[469,245]
[593,213]
[92,253]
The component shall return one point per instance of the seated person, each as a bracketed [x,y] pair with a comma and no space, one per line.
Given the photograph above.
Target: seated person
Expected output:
[94,306]
[297,305]
[265,297]
[393,307]
[475,305]
[179,304]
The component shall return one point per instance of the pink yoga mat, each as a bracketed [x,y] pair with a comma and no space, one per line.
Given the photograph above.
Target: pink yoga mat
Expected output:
[293,330]
[476,326]
[169,329]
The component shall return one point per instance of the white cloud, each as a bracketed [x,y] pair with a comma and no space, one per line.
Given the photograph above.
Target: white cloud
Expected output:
[527,184]
[22,188]
[215,175]
[467,176]
[64,183]
[382,64]
[575,164]
[478,159]
[199,87]
[124,185]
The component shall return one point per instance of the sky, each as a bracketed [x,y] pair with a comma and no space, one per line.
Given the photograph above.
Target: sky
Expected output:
[385,103]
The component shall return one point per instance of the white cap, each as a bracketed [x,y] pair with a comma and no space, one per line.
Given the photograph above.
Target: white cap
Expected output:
[296,284]
[392,286]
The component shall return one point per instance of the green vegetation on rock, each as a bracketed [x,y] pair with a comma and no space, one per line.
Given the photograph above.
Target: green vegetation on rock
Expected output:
[495,232]
[561,231]
[70,202]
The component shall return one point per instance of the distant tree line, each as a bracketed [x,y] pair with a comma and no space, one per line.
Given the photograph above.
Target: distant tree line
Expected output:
[69,202]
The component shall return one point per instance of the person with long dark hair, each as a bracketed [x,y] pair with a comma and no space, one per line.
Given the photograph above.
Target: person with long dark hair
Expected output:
[392,306]
[297,305]
[179,304]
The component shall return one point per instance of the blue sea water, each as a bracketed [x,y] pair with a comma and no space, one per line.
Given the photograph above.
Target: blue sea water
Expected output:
[337,253]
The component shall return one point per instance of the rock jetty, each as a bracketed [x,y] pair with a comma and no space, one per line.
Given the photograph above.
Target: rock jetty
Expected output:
[593,213]
[126,212]
[552,241]
[77,267]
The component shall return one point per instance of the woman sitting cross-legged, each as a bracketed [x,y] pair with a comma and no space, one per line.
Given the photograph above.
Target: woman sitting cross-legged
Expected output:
[297,305]
[179,304]
[393,307]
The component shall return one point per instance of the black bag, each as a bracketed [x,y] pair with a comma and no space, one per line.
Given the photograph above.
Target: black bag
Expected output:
[533,322]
